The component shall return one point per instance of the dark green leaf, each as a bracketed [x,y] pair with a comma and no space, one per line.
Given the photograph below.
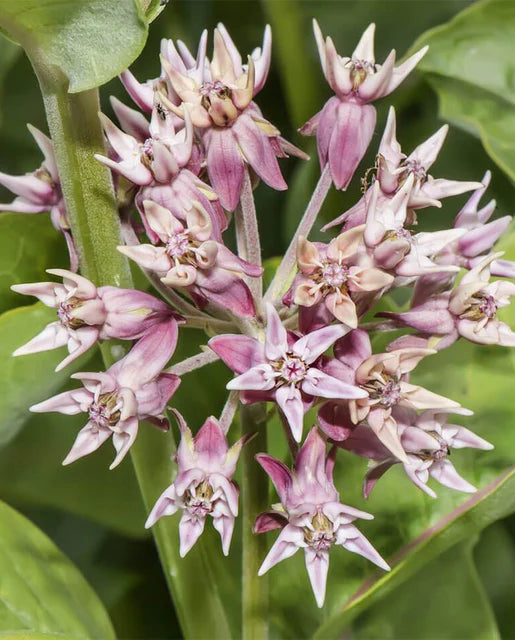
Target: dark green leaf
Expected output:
[90,41]
[421,607]
[471,66]
[42,592]
[28,245]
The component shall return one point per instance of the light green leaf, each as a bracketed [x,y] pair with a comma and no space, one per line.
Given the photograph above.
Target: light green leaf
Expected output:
[89,41]
[420,609]
[490,504]
[471,66]
[41,590]
[25,380]
[28,245]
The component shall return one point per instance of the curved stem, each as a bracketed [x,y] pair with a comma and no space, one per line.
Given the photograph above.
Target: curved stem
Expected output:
[89,197]
[286,270]
[254,501]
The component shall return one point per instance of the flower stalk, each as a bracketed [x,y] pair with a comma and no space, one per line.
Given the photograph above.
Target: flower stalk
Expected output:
[254,500]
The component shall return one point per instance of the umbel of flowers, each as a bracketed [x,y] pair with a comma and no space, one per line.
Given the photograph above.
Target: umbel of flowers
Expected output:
[185,162]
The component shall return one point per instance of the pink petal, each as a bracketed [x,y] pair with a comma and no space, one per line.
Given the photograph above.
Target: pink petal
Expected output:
[350,138]
[289,399]
[123,441]
[446,474]
[258,152]
[314,344]
[269,521]
[239,352]
[225,166]
[288,542]
[353,540]
[279,474]
[276,343]
[319,384]
[260,377]
[190,530]
[89,439]
[317,565]
[166,505]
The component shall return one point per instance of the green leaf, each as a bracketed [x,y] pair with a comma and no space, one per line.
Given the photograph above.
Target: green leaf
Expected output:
[89,41]
[85,488]
[28,245]
[42,591]
[25,380]
[420,609]
[470,64]
[490,504]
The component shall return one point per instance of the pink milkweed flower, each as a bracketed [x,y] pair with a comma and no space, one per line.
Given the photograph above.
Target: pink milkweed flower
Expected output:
[393,246]
[311,515]
[427,439]
[86,314]
[40,191]
[335,274]
[469,311]
[132,389]
[234,132]
[159,160]
[394,168]
[283,369]
[384,376]
[345,125]
[188,256]
[475,302]
[142,93]
[203,486]
[480,235]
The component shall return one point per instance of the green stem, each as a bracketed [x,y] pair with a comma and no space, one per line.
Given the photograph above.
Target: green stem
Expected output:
[90,202]
[254,500]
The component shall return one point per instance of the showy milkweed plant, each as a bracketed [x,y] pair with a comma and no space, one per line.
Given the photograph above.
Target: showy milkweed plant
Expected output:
[186,153]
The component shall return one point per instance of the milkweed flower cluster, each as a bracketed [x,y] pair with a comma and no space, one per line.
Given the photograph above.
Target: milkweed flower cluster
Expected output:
[185,163]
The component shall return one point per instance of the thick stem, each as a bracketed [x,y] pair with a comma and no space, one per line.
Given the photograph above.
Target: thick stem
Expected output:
[90,202]
[286,270]
[254,501]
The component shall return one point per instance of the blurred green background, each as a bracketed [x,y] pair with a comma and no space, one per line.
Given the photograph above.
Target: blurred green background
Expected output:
[95,516]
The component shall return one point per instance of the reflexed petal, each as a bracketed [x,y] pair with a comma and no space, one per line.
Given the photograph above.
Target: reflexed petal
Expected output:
[279,474]
[260,377]
[317,565]
[289,541]
[446,474]
[166,505]
[239,352]
[314,344]
[289,399]
[319,384]
[190,530]
[352,539]
[89,439]
[276,343]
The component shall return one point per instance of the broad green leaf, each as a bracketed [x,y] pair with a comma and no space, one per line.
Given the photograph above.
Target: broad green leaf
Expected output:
[470,64]
[153,8]
[28,245]
[41,590]
[490,504]
[85,488]
[420,609]
[495,560]
[89,41]
[25,380]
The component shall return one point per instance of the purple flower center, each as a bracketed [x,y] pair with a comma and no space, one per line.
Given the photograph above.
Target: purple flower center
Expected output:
[334,274]
[105,412]
[321,536]
[292,368]
[217,87]
[391,393]
[488,306]
[198,500]
[414,167]
[147,149]
[177,245]
[65,313]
